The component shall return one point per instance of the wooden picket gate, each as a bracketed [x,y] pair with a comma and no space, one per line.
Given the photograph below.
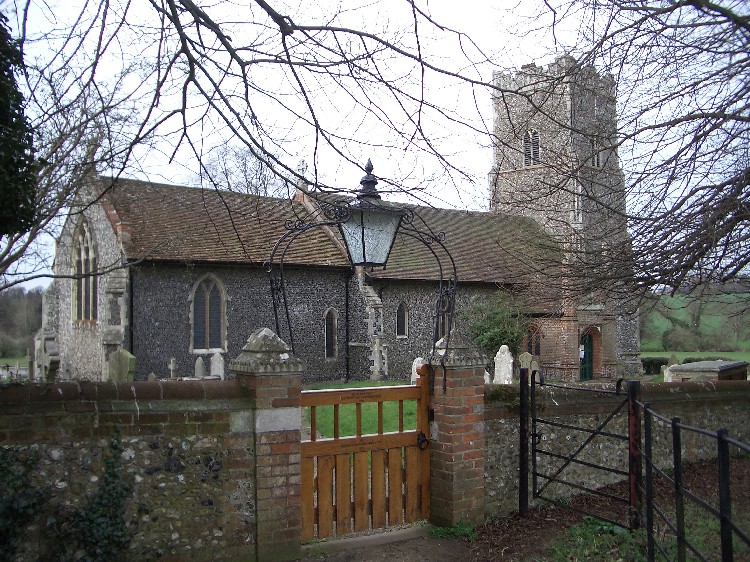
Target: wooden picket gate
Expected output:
[362,482]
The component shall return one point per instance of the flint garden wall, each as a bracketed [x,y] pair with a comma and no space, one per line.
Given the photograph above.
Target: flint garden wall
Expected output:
[707,405]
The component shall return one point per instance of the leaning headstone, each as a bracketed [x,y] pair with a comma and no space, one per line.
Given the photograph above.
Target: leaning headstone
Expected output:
[217,365]
[414,375]
[172,366]
[121,366]
[200,368]
[503,366]
[151,377]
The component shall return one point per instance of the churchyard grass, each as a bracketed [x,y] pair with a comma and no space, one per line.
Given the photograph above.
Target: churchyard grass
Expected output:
[595,539]
[347,412]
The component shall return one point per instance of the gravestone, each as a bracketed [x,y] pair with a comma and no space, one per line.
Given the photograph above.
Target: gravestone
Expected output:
[503,366]
[217,365]
[200,368]
[121,366]
[172,366]
[414,375]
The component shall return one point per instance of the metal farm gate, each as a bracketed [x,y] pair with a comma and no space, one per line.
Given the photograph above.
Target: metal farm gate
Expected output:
[558,463]
[361,482]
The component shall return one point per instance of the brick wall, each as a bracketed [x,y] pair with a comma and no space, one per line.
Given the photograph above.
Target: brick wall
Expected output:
[700,404]
[187,450]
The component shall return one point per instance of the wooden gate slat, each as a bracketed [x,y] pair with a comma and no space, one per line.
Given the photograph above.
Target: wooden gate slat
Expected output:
[355,483]
[395,493]
[361,495]
[413,474]
[307,491]
[378,489]
[325,496]
[343,495]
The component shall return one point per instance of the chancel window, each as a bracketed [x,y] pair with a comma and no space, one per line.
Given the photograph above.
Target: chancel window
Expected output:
[86,282]
[402,321]
[531,148]
[209,315]
[331,330]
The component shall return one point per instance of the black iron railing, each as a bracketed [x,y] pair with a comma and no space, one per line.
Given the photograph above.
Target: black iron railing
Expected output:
[665,522]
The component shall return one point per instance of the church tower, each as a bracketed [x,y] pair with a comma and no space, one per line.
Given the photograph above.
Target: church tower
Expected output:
[555,160]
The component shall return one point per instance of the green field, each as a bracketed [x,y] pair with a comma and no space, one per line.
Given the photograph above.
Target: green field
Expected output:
[12,361]
[686,322]
[347,412]
[682,355]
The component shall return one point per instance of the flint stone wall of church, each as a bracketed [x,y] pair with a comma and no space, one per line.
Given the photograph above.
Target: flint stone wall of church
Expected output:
[420,300]
[161,315]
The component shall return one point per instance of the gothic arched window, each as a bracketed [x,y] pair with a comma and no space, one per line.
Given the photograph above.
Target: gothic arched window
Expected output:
[331,331]
[534,341]
[531,148]
[86,282]
[402,321]
[208,315]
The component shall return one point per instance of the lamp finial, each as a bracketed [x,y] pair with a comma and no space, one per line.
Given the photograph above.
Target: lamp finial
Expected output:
[368,183]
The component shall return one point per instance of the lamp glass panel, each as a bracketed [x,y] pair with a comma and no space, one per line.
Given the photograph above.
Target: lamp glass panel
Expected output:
[369,235]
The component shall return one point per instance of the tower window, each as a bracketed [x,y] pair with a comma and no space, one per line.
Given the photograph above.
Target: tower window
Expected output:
[86,283]
[531,148]
[596,154]
[578,203]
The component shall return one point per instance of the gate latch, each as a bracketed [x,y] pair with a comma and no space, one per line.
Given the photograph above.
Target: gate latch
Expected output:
[422,442]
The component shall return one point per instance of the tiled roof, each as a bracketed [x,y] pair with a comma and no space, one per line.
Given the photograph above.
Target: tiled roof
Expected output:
[486,248]
[167,222]
[173,223]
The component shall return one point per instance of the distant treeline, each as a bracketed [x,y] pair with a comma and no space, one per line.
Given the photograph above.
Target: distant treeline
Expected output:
[20,318]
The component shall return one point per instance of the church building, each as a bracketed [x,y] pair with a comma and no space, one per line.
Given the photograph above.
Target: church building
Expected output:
[184,273]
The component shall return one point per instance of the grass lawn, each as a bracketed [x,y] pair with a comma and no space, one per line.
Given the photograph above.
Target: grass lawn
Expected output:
[347,412]
[12,361]
[681,355]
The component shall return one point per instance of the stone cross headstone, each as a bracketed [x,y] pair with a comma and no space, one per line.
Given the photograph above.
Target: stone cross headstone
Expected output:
[503,366]
[414,375]
[172,366]
[217,365]
[200,368]
[524,360]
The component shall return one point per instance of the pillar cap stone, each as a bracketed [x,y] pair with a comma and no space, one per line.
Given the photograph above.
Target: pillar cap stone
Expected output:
[265,353]
[458,350]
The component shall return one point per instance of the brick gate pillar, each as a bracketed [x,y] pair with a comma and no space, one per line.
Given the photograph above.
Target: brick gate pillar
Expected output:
[272,373]
[457,435]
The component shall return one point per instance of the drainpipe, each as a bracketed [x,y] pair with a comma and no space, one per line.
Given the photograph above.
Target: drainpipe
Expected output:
[131,343]
[347,278]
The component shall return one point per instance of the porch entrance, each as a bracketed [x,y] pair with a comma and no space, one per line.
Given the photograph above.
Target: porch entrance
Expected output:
[587,356]
[354,483]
